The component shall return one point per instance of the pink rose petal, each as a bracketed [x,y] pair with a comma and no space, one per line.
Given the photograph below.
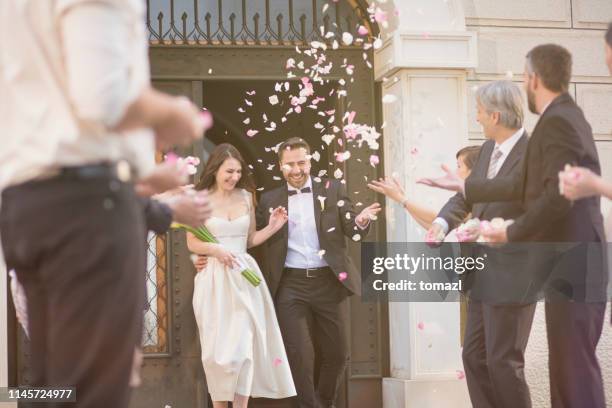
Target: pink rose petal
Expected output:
[277,362]
[460,374]
[421,326]
[171,158]
[351,117]
[380,16]
[363,30]
[374,160]
[207,119]
[252,132]
[342,276]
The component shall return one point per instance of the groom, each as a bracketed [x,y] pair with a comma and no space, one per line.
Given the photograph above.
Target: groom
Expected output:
[309,272]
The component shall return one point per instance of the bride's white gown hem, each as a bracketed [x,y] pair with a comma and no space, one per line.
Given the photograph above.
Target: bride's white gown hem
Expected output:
[242,347]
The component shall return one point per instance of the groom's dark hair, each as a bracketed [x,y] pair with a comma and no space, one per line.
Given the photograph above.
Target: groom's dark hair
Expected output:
[609,35]
[292,144]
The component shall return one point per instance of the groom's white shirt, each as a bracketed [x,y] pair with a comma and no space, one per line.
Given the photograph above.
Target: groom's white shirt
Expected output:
[303,246]
[505,148]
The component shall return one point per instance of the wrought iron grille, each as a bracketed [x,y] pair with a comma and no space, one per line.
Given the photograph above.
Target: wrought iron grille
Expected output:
[252,22]
[155,336]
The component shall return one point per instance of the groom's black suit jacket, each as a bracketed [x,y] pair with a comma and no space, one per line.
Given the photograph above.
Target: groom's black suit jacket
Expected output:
[506,279]
[333,226]
[562,136]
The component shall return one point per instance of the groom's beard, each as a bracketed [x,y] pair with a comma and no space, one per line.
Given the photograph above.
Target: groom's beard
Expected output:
[297,183]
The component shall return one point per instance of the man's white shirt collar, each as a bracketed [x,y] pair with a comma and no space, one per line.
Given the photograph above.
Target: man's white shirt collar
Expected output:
[507,145]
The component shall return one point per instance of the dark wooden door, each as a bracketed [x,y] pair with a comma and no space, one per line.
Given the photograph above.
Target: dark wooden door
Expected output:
[218,79]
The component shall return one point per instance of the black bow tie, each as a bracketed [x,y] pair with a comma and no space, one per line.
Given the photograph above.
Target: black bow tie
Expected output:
[304,190]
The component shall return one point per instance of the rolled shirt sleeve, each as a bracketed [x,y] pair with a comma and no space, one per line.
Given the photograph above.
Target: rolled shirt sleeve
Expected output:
[442,223]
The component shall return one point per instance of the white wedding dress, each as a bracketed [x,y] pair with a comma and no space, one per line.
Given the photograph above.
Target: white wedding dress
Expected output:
[242,347]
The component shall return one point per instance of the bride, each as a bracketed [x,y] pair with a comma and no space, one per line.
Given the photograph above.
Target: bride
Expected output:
[242,349]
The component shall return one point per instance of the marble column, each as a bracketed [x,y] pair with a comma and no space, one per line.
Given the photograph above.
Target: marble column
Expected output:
[423,67]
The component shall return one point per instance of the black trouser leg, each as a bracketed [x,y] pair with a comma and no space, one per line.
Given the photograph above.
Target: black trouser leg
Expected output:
[77,248]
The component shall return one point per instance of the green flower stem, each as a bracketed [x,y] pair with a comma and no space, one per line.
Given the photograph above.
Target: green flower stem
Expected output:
[203,234]
[251,277]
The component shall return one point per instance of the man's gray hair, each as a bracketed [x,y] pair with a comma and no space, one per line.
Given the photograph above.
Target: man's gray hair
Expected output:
[504,97]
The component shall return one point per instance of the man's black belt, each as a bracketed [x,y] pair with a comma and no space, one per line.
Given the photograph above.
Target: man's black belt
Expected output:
[120,170]
[310,272]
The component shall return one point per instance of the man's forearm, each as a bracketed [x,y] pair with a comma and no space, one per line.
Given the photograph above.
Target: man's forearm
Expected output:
[604,187]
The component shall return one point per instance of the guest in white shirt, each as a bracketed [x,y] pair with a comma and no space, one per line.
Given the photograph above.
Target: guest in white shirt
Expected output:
[76,106]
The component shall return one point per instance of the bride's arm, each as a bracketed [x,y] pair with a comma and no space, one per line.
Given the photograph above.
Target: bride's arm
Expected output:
[255,237]
[199,247]
[217,251]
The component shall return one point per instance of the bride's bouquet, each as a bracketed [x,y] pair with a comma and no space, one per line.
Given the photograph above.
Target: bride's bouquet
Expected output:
[203,234]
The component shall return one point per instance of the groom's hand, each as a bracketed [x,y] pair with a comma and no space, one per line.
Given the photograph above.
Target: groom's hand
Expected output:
[367,214]
[450,181]
[200,262]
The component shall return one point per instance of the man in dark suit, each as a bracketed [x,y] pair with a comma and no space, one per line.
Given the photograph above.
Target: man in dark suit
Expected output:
[309,272]
[575,282]
[500,311]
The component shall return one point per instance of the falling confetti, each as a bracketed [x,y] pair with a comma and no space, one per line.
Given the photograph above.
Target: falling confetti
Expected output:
[460,374]
[374,160]
[322,201]
[252,132]
[328,139]
[277,362]
[421,326]
[342,276]
[389,98]
[347,38]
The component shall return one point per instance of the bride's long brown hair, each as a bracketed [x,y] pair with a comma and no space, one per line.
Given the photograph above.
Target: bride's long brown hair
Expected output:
[218,156]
